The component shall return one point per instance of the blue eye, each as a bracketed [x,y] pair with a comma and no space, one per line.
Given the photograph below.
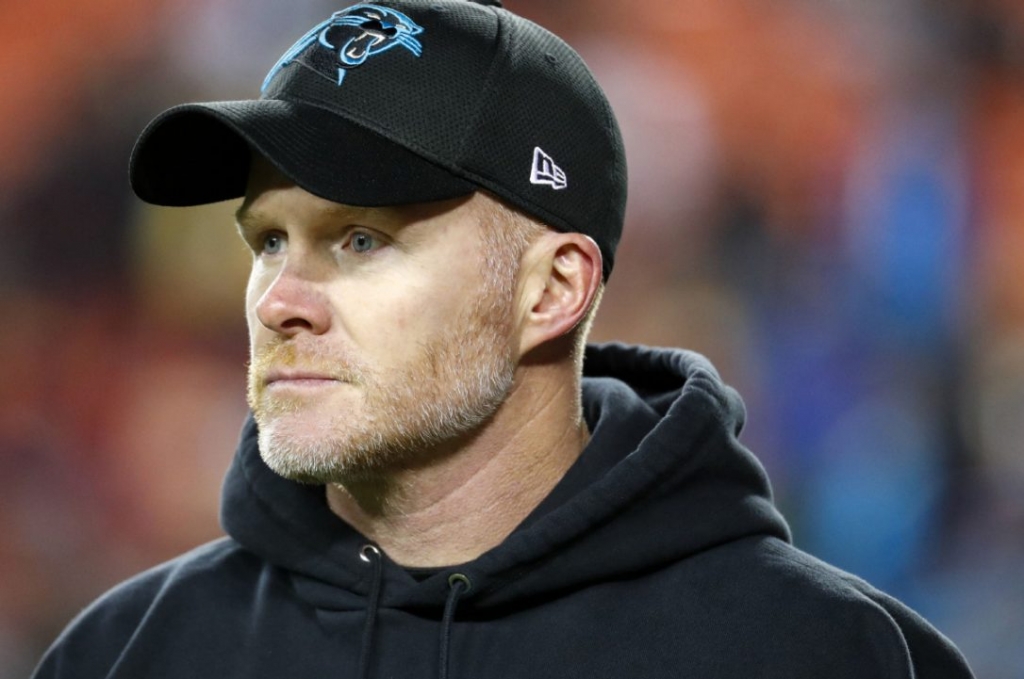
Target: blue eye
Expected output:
[272,244]
[363,242]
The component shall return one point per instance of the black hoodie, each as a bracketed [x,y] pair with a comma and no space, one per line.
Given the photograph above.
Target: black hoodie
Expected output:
[659,554]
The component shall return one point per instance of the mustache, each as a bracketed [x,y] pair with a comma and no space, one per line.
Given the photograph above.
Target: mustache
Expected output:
[305,356]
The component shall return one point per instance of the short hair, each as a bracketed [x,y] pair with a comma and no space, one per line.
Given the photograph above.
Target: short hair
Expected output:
[512,234]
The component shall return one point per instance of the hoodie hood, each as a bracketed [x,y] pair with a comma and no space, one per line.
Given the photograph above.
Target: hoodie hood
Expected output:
[677,482]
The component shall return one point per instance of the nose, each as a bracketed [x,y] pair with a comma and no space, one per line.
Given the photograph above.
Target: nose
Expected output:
[293,305]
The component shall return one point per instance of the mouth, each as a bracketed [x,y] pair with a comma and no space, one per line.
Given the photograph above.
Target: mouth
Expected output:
[298,378]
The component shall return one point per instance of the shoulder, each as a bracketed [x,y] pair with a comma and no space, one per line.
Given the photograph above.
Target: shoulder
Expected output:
[93,642]
[815,607]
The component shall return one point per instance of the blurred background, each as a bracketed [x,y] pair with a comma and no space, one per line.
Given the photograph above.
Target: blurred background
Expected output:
[827,199]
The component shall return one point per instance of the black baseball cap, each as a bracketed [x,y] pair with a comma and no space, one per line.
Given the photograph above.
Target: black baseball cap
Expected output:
[408,101]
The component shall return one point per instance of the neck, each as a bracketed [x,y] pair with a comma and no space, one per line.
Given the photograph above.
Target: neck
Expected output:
[467,501]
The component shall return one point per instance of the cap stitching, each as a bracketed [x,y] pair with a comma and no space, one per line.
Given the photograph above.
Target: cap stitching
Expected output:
[503,29]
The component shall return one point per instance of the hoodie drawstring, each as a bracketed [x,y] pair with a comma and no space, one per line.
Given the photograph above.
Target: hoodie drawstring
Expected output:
[458,584]
[370,555]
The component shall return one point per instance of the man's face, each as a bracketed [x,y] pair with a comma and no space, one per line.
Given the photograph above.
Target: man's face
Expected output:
[379,337]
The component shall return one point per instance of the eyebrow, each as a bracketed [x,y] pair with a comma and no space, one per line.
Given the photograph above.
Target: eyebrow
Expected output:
[389,219]
[249,223]
[248,220]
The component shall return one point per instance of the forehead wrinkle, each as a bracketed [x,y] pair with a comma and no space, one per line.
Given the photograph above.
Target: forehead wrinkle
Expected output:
[249,218]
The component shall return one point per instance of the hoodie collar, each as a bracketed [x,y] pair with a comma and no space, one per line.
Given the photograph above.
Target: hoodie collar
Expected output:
[663,478]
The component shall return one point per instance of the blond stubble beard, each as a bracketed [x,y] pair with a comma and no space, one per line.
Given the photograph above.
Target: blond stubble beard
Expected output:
[451,387]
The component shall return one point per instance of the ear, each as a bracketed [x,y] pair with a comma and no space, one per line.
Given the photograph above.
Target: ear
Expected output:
[561,275]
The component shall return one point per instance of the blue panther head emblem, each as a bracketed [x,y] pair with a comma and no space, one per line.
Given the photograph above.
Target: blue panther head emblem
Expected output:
[354,35]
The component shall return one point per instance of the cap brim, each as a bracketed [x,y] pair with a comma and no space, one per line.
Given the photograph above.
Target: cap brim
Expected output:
[200,153]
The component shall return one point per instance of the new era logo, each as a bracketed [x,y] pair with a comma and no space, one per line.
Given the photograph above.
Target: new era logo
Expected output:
[545,171]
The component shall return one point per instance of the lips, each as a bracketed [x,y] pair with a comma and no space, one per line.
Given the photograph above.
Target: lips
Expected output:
[297,378]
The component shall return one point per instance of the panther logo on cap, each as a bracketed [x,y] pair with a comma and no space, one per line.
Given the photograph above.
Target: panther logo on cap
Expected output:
[353,35]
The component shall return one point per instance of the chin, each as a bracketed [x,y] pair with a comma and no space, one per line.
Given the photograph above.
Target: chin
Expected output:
[305,450]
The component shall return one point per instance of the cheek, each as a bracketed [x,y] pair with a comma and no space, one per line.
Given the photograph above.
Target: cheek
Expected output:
[398,321]
[383,321]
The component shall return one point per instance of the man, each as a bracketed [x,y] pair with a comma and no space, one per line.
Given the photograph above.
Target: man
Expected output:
[433,194]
